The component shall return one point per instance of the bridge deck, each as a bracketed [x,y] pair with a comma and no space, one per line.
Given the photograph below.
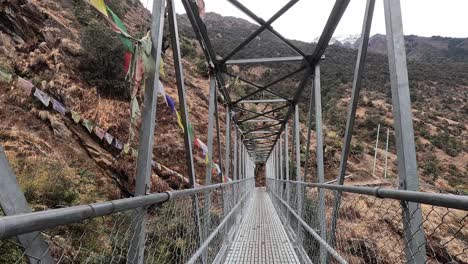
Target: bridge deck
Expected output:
[261,237]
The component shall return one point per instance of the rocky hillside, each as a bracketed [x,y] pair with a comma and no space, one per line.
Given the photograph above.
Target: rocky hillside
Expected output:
[67,50]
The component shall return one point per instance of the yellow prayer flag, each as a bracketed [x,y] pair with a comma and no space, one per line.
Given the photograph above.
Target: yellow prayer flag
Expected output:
[179,121]
[99,5]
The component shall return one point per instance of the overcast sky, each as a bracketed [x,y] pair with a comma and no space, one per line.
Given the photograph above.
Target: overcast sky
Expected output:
[306,19]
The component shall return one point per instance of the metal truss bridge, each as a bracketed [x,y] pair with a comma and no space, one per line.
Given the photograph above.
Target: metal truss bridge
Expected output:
[287,221]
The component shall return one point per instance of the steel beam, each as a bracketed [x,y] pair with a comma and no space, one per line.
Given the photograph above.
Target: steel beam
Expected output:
[358,71]
[404,134]
[179,72]
[263,26]
[298,170]
[227,166]
[172,19]
[269,85]
[261,22]
[319,159]
[13,202]
[146,139]
[263,114]
[260,101]
[266,60]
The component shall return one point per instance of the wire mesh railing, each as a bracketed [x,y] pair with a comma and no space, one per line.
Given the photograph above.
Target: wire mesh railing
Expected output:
[179,227]
[370,228]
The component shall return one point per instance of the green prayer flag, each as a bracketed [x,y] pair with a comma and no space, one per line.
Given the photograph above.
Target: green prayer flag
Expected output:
[6,77]
[127,43]
[88,124]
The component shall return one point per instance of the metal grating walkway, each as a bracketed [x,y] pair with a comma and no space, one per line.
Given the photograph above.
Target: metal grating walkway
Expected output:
[261,238]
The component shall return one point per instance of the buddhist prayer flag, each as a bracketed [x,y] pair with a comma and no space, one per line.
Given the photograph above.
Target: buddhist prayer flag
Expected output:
[75,116]
[135,108]
[109,138]
[99,5]
[160,90]
[6,77]
[201,8]
[179,121]
[127,61]
[57,106]
[125,41]
[43,97]
[88,125]
[171,103]
[117,144]
[99,132]
[25,85]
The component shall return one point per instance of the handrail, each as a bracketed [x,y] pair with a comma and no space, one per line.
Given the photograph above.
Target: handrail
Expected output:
[311,231]
[436,199]
[37,221]
[213,234]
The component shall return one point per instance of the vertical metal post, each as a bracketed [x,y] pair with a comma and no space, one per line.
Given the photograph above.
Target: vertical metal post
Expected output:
[320,166]
[13,202]
[235,173]
[172,19]
[359,69]
[386,154]
[227,166]
[309,128]
[375,150]
[298,171]
[211,110]
[146,141]
[179,71]
[288,185]
[404,134]
[280,148]
[218,137]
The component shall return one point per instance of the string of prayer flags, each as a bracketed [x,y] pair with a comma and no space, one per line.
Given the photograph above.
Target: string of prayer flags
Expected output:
[99,132]
[88,125]
[59,107]
[109,138]
[99,5]
[75,116]
[43,97]
[25,85]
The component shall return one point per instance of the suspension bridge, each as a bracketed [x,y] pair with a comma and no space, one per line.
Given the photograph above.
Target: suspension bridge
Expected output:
[288,220]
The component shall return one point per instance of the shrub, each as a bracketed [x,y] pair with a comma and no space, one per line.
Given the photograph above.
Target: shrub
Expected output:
[202,67]
[187,49]
[44,182]
[431,166]
[102,62]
